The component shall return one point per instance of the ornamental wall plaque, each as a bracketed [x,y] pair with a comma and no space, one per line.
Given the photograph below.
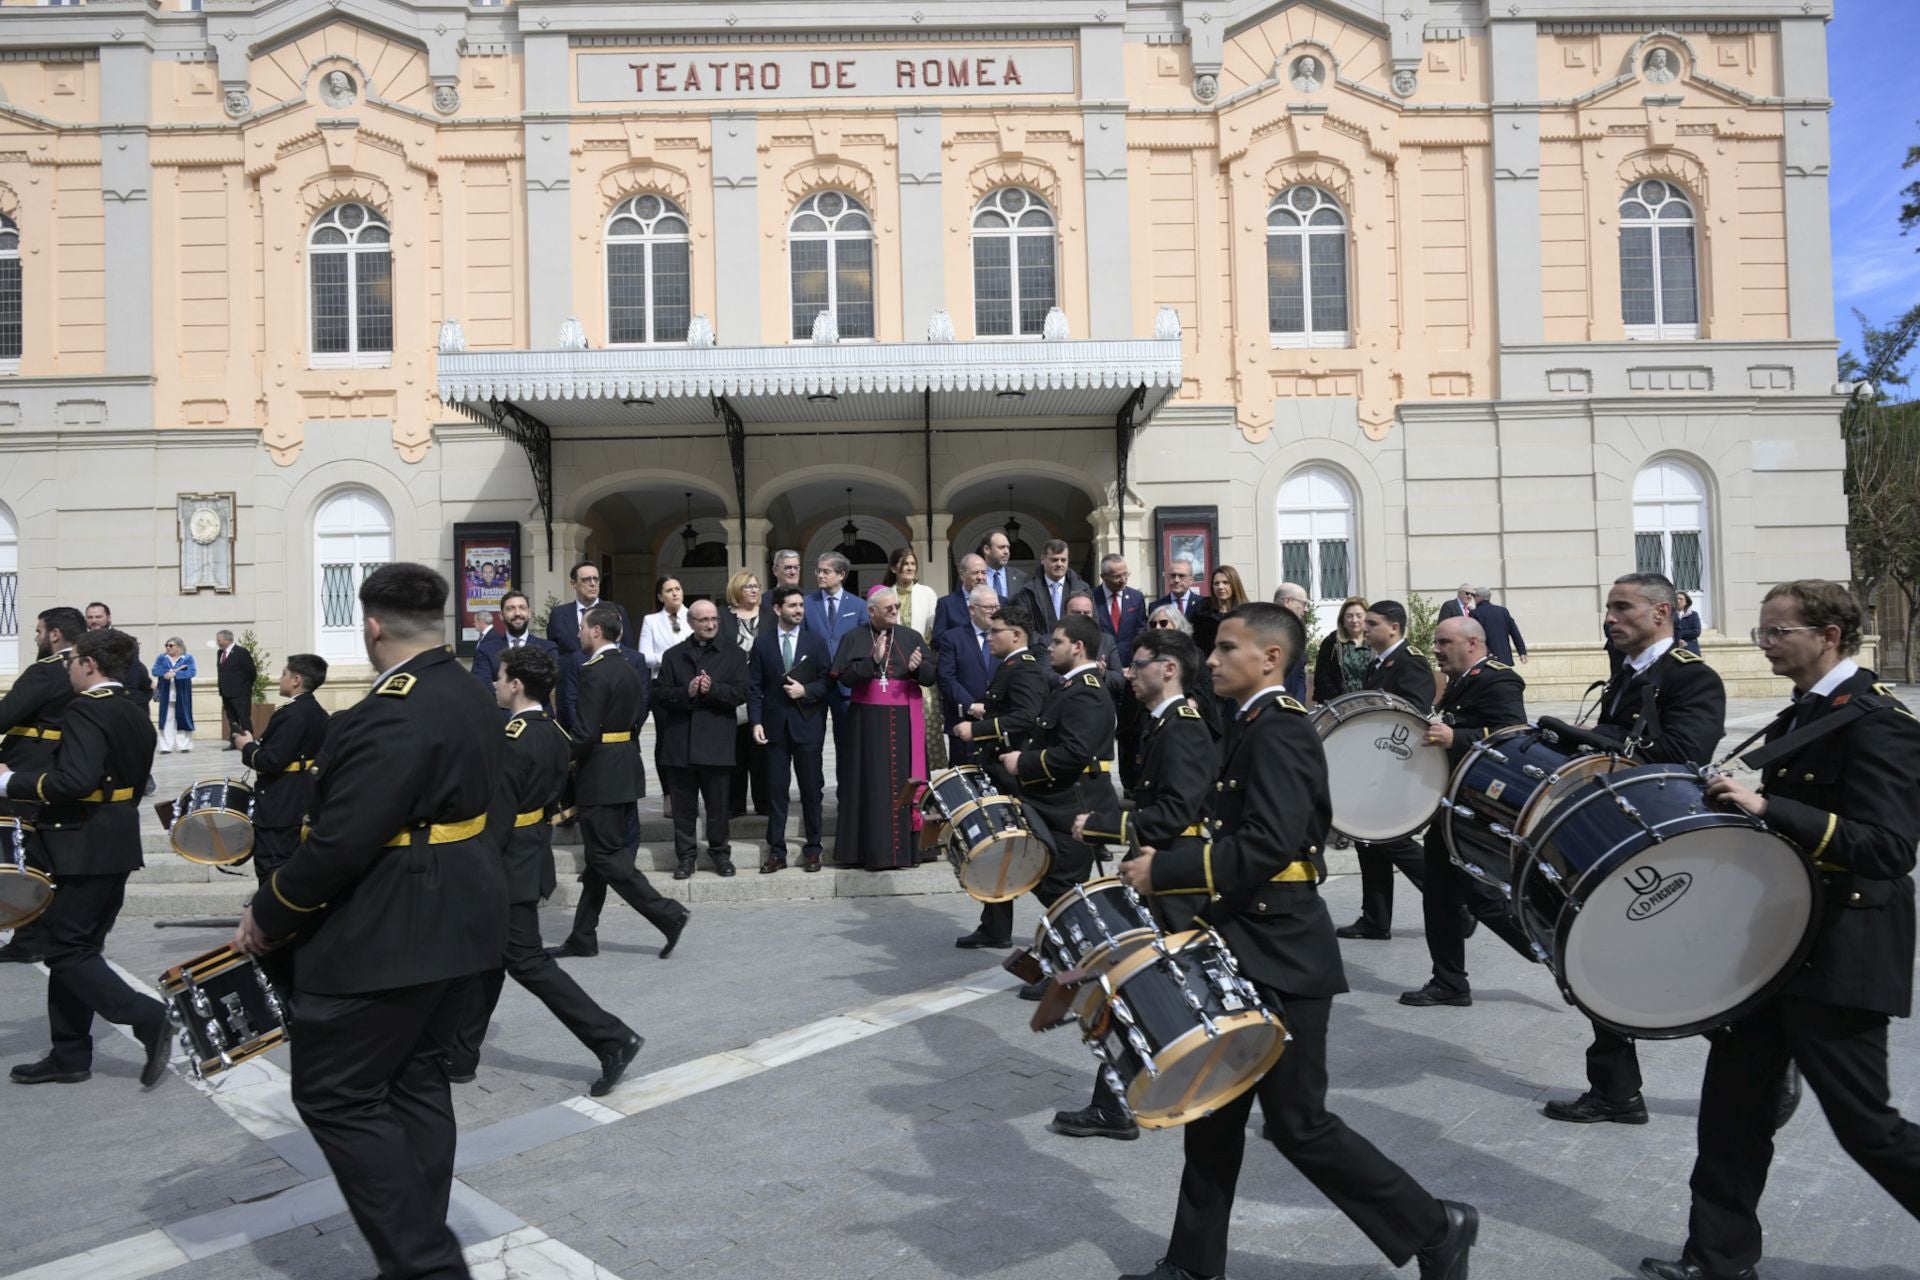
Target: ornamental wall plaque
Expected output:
[206,542]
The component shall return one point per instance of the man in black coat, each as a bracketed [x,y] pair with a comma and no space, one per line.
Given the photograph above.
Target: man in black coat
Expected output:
[1404,672]
[138,680]
[1015,693]
[1504,641]
[1259,874]
[400,905]
[701,681]
[30,717]
[1483,696]
[87,836]
[608,783]
[1045,596]
[1852,805]
[515,631]
[282,760]
[235,685]
[787,689]
[952,611]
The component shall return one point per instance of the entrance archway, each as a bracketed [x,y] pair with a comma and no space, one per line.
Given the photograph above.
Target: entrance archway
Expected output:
[639,533]
[815,517]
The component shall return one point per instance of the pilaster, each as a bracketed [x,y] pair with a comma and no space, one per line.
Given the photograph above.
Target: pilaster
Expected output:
[1803,75]
[1516,182]
[736,228]
[126,185]
[549,193]
[922,256]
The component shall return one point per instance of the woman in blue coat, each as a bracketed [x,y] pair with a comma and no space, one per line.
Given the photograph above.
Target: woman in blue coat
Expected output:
[173,673]
[1686,625]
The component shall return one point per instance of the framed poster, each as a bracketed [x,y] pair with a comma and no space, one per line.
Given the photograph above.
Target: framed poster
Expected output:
[1187,533]
[486,563]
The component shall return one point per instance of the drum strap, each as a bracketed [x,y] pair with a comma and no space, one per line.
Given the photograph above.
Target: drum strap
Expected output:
[1787,745]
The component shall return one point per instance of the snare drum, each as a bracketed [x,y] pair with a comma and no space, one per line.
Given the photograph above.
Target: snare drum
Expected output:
[1384,778]
[224,1009]
[1501,792]
[1179,1032]
[1660,915]
[995,854]
[213,823]
[1092,927]
[25,891]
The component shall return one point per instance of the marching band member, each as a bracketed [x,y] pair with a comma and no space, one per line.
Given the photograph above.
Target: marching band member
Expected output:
[282,760]
[1404,672]
[30,729]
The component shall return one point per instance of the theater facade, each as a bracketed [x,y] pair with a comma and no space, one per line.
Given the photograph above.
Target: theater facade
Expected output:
[1378,295]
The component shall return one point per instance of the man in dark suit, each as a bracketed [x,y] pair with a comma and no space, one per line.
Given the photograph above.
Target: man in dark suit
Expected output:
[966,667]
[1460,606]
[609,779]
[996,550]
[399,897]
[138,680]
[1045,597]
[1180,592]
[1261,870]
[30,717]
[515,631]
[701,681]
[88,836]
[787,707]
[282,761]
[235,686]
[1402,671]
[1504,640]
[786,573]
[1120,610]
[1852,806]
[1112,669]
[954,609]
[563,629]
[831,612]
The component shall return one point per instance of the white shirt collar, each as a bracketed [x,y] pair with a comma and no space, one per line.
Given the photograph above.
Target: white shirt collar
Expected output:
[1650,655]
[1401,643]
[390,670]
[1272,688]
[1843,671]
[1085,666]
[1166,702]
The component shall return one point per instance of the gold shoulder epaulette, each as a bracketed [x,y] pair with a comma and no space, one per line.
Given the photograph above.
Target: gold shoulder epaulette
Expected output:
[1893,700]
[52,657]
[1186,712]
[595,658]
[1092,679]
[1494,664]
[398,686]
[1026,655]
[1414,653]
[1289,703]
[1684,655]
[99,691]
[516,727]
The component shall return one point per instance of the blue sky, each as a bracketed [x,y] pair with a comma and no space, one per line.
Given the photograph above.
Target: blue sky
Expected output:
[1873,48]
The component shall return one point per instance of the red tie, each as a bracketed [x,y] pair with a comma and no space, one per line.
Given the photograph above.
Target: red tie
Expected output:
[1114,609]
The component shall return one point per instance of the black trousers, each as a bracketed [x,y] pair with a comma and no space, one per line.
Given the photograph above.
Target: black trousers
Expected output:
[1446,891]
[80,983]
[1842,1054]
[1613,1065]
[787,761]
[749,771]
[706,785]
[1381,1198]
[239,719]
[610,865]
[370,1081]
[1377,862]
[1071,864]
[528,963]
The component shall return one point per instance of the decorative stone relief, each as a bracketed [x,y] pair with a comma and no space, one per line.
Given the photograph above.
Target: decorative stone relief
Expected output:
[1054,328]
[446,99]
[1659,68]
[573,335]
[1308,73]
[1166,324]
[337,89]
[1206,86]
[1406,82]
[238,104]
[826,330]
[700,333]
[940,326]
[453,338]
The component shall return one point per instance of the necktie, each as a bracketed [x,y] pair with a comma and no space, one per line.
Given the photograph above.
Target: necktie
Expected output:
[986,658]
[1113,611]
[1000,585]
[1183,604]
[786,650]
[1055,588]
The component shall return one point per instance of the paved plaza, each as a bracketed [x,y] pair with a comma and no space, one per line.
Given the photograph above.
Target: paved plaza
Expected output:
[830,1089]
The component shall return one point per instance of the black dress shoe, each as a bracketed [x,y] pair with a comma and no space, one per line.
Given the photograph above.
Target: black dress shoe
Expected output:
[723,867]
[1687,1269]
[14,953]
[159,1047]
[812,863]
[772,865]
[1446,1258]
[1033,990]
[567,951]
[1789,1100]
[1095,1122]
[44,1072]
[1164,1270]
[683,871]
[981,938]
[1430,995]
[673,932]
[1591,1108]
[614,1065]
[1362,930]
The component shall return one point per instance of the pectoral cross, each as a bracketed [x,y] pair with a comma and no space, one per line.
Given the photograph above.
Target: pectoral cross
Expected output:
[885,653]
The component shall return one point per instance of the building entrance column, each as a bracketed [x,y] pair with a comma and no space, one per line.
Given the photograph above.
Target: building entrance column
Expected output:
[756,554]
[936,568]
[569,546]
[1137,547]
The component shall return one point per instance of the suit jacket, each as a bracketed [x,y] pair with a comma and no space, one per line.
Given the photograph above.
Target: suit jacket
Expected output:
[1489,696]
[1133,617]
[31,713]
[283,757]
[533,770]
[1406,673]
[951,612]
[1677,709]
[139,681]
[563,628]
[1169,802]
[236,677]
[1037,599]
[1453,609]
[798,722]
[1503,633]
[697,732]
[1017,580]
[1192,597]
[1271,811]
[852,613]
[1851,802]
[606,740]
[487,654]
[398,881]
[89,790]
[963,674]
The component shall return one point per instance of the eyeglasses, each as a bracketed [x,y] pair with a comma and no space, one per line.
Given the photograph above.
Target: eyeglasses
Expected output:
[1162,622]
[1766,637]
[1141,664]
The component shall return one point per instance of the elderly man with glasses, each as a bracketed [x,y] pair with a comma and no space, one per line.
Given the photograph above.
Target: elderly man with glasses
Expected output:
[886,665]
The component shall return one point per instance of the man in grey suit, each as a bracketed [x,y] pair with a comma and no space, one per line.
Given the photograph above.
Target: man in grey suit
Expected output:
[996,549]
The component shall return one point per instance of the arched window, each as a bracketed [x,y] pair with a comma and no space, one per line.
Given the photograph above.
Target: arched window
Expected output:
[830,242]
[12,299]
[1306,269]
[9,592]
[1670,529]
[1659,277]
[1316,528]
[1013,264]
[352,536]
[649,289]
[350,270]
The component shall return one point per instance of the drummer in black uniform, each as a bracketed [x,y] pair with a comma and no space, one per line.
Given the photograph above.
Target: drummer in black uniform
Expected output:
[1173,780]
[1260,875]
[1404,672]
[282,761]
[1852,805]
[1014,694]
[400,904]
[30,729]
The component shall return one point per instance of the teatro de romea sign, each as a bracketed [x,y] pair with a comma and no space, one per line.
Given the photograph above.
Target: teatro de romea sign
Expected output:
[668,74]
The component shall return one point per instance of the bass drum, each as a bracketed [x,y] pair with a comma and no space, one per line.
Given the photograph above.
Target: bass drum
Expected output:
[213,823]
[25,891]
[1501,792]
[1384,778]
[1661,915]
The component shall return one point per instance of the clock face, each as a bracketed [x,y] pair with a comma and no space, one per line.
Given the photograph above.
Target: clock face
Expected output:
[204,525]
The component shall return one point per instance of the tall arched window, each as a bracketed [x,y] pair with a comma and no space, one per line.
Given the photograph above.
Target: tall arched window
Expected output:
[649,288]
[1306,269]
[1316,528]
[352,536]
[1659,277]
[1670,529]
[12,298]
[9,592]
[1013,264]
[830,243]
[350,272]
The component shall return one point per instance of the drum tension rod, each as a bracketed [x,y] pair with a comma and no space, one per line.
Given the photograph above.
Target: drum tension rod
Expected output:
[1533,771]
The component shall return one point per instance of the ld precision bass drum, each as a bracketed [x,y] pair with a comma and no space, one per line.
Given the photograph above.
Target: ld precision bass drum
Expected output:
[1384,778]
[1660,915]
[1501,792]
[994,852]
[25,891]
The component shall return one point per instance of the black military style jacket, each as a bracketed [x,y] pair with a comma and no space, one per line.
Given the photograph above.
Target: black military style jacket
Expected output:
[606,721]
[398,881]
[1260,870]
[1851,802]
[1166,812]
[30,713]
[1015,694]
[538,755]
[89,791]
[1406,673]
[282,759]
[1488,696]
[699,732]
[1677,709]
[1071,739]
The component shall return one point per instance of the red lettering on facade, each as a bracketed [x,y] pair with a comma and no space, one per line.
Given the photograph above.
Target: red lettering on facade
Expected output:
[820,75]
[769,76]
[742,76]
[958,72]
[983,72]
[843,74]
[719,70]
[930,74]
[639,76]
[1011,75]
[660,70]
[903,74]
[692,83]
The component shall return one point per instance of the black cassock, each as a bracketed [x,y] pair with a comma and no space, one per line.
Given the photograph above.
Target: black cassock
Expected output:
[885,743]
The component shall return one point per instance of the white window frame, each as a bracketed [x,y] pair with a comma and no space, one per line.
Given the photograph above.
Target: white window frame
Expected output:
[648,239]
[1670,496]
[364,533]
[833,241]
[1013,233]
[10,568]
[1660,330]
[11,253]
[1316,504]
[353,357]
[1310,337]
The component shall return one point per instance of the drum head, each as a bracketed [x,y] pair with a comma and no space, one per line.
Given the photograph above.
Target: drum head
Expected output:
[1199,1074]
[1384,778]
[216,837]
[1688,931]
[1003,868]
[23,895]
